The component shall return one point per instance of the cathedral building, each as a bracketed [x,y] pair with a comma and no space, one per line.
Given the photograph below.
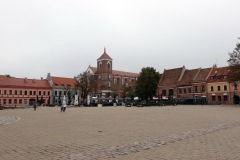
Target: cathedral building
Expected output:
[110,82]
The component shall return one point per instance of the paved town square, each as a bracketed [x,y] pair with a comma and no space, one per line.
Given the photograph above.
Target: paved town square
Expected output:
[121,133]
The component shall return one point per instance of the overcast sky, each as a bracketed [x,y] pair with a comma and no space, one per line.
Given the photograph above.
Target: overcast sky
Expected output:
[64,37]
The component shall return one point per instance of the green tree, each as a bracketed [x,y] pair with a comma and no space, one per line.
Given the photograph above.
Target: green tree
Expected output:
[234,63]
[146,85]
[86,83]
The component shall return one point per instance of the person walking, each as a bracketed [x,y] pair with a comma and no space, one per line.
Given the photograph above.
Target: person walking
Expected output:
[64,107]
[35,106]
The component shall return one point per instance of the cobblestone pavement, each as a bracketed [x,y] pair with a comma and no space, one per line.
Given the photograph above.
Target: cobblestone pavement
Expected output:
[122,133]
[6,119]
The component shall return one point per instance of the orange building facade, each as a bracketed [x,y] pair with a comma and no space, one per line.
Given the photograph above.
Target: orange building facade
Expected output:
[23,91]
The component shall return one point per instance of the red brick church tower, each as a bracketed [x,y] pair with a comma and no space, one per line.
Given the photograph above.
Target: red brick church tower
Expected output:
[104,71]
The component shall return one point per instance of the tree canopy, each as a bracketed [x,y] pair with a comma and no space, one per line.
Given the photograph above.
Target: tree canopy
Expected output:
[146,85]
[234,63]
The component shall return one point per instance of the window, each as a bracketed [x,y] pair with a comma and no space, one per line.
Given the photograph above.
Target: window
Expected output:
[109,84]
[55,93]
[219,98]
[164,93]
[213,98]
[0,91]
[48,92]
[10,101]
[202,88]
[60,93]
[10,92]
[189,90]
[30,92]
[25,101]
[64,92]
[118,81]
[109,65]
[212,89]
[170,92]
[219,88]
[44,93]
[39,93]
[100,76]
[109,76]
[100,65]
[195,89]
[25,92]
[179,91]
[20,92]
[4,101]
[184,90]
[15,101]
[15,92]
[225,88]
[225,98]
[20,101]
[5,91]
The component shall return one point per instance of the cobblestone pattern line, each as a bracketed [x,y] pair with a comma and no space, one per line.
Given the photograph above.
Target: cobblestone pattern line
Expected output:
[6,119]
[142,146]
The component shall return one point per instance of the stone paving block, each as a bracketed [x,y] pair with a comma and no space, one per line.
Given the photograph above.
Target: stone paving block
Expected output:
[180,132]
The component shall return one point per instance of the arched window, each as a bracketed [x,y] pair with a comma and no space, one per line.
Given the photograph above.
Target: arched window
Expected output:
[109,65]
[109,84]
[100,65]
[109,76]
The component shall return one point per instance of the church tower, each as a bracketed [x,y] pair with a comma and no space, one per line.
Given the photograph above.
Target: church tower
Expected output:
[104,70]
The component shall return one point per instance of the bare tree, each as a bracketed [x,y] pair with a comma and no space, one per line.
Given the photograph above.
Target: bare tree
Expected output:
[234,63]
[86,83]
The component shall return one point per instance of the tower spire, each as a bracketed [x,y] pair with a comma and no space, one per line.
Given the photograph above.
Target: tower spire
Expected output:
[104,49]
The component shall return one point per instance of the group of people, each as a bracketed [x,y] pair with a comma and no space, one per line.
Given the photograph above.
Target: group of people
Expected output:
[63,107]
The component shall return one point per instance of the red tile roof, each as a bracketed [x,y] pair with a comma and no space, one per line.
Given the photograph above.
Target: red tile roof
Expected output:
[122,73]
[202,75]
[62,81]
[188,77]
[94,69]
[105,56]
[170,77]
[118,73]
[219,74]
[23,82]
